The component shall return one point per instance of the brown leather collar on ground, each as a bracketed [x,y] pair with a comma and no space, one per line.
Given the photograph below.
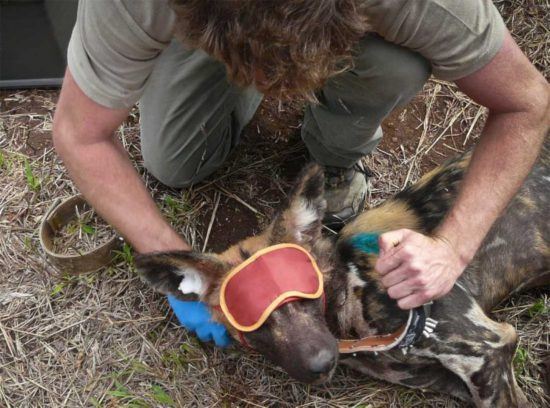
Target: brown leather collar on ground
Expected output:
[60,213]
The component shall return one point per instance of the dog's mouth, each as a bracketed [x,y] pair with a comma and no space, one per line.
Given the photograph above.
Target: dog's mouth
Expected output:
[324,378]
[312,378]
[314,367]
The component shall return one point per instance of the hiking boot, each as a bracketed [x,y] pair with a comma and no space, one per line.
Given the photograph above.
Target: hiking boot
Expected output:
[345,193]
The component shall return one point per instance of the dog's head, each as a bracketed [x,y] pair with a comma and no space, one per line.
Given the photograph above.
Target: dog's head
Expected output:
[295,335]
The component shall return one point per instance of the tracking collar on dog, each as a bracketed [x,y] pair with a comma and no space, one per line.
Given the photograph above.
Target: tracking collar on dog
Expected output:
[418,323]
[268,279]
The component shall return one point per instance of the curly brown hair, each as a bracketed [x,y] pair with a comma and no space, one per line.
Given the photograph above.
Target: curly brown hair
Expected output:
[286,48]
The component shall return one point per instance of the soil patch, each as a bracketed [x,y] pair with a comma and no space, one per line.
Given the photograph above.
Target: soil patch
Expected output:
[29,113]
[265,164]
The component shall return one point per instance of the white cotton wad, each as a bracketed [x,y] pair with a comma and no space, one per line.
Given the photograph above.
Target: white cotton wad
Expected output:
[192,283]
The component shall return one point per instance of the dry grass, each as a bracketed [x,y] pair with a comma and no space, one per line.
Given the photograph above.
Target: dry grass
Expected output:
[85,232]
[106,340]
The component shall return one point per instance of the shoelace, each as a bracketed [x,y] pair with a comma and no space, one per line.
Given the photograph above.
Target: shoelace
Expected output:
[363,170]
[338,175]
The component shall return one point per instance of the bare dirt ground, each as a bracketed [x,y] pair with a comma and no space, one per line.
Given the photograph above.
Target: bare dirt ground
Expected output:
[104,339]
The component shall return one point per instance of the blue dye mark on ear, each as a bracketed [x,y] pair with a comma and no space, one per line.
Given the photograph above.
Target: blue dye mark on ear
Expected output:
[366,242]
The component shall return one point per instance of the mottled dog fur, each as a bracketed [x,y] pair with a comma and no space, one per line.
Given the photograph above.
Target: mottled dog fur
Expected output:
[469,355]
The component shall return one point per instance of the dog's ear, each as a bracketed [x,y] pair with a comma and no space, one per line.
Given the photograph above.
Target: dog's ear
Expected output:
[184,274]
[301,221]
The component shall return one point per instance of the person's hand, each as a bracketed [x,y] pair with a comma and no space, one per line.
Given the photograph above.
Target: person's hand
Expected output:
[196,317]
[415,268]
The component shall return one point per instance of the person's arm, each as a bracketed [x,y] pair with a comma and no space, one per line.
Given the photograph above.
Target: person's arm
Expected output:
[83,134]
[416,268]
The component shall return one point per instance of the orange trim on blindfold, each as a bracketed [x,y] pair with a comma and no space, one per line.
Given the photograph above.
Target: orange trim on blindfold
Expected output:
[255,288]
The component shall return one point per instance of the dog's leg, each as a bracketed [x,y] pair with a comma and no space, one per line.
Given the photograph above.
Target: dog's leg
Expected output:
[421,373]
[477,349]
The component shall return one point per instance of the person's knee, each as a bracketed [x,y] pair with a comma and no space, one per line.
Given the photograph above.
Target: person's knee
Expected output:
[406,76]
[393,72]
[182,165]
[170,175]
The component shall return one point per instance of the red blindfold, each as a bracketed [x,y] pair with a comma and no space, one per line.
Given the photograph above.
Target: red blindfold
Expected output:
[269,278]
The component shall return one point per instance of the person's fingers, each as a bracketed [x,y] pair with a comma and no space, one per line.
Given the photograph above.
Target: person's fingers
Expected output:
[204,332]
[390,240]
[413,300]
[388,263]
[401,290]
[180,309]
[190,314]
[220,335]
[196,317]
[394,277]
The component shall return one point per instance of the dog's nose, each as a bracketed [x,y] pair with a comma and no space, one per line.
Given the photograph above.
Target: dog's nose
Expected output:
[322,362]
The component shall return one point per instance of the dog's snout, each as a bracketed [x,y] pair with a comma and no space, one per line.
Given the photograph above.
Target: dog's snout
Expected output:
[322,362]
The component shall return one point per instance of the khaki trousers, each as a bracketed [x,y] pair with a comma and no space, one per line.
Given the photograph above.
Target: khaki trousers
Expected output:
[192,117]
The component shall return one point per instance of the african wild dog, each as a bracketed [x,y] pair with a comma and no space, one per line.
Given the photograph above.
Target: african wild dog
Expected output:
[469,355]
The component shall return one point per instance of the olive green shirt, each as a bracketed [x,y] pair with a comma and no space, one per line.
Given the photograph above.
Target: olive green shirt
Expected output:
[115,43]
